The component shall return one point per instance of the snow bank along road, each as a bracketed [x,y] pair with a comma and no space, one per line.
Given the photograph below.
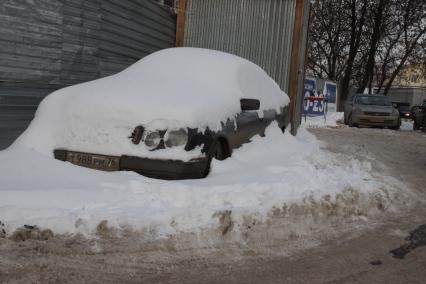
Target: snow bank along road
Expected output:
[371,185]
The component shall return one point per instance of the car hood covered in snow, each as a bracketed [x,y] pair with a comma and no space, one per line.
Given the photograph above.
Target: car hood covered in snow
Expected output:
[176,87]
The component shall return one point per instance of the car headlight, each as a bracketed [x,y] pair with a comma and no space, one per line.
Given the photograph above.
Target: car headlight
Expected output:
[175,138]
[152,139]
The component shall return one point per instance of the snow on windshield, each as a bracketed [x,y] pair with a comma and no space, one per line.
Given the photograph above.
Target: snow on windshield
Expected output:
[186,87]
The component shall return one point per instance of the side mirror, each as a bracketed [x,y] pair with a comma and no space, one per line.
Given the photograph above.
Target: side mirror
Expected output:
[395,105]
[249,104]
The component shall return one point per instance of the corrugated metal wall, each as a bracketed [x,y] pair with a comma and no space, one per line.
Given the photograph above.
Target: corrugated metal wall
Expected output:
[259,30]
[48,44]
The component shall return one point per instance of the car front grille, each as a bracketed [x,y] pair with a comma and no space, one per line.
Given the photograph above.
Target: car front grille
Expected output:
[377,113]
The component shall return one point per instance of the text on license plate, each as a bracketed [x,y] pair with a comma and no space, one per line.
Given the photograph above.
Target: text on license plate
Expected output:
[93,161]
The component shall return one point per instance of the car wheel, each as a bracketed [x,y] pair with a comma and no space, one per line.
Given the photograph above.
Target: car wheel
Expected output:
[398,125]
[218,150]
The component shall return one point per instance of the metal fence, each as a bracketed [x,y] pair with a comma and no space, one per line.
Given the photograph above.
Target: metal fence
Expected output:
[49,44]
[261,31]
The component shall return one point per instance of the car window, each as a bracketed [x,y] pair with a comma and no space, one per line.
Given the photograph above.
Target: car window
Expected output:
[404,107]
[373,100]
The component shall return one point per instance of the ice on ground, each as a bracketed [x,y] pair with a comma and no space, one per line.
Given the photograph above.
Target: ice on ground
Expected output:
[267,174]
[331,119]
[169,89]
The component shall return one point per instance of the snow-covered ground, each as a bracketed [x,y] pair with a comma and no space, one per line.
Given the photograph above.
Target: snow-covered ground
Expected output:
[261,178]
[406,124]
[335,119]
[271,172]
[332,119]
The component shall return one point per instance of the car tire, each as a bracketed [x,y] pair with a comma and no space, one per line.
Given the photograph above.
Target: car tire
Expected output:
[218,150]
[398,125]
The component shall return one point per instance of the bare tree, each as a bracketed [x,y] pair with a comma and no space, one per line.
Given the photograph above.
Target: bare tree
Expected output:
[413,34]
[364,42]
[377,26]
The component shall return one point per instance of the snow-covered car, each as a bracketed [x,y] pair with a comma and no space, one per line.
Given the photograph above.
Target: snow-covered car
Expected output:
[166,116]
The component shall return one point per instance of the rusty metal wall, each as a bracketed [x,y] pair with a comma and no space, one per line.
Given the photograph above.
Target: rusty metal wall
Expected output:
[258,30]
[301,72]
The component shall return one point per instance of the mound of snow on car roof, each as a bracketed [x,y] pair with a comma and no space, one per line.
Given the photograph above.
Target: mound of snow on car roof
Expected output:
[178,87]
[270,172]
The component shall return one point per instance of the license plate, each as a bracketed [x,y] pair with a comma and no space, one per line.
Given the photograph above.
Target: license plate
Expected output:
[94,161]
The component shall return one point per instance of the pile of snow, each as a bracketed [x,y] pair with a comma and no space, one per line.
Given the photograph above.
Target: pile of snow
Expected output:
[406,124]
[170,89]
[270,172]
[332,119]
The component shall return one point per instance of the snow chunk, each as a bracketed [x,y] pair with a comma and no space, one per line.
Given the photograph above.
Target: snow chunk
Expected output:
[332,119]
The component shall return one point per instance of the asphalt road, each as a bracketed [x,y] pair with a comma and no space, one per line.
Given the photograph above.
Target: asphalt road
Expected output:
[349,251]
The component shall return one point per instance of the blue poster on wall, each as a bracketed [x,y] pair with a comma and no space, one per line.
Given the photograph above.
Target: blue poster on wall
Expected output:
[330,93]
[312,107]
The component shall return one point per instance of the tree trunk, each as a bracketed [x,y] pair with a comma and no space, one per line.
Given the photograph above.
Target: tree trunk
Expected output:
[356,32]
[375,38]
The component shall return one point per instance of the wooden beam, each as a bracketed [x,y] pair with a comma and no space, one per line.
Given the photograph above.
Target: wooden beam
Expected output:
[180,25]
[295,62]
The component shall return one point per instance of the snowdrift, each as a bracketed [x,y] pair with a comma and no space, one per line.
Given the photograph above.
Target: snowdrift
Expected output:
[268,176]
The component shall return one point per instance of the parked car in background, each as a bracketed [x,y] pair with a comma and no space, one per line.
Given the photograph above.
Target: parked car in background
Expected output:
[419,117]
[371,110]
[167,116]
[403,108]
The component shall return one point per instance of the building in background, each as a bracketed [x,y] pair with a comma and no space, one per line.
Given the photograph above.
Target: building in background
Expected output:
[412,76]
[270,33]
[411,96]
[46,45]
[410,85]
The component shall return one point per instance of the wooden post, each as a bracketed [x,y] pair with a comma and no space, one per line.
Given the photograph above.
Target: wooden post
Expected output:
[180,25]
[295,62]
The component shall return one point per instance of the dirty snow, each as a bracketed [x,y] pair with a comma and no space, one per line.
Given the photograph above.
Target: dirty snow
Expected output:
[270,172]
[169,89]
[332,119]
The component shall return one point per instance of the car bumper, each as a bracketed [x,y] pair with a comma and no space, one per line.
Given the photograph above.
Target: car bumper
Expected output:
[368,120]
[162,169]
